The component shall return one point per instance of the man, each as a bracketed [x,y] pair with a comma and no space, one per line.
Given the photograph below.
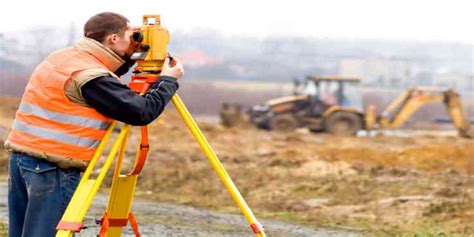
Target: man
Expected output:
[70,100]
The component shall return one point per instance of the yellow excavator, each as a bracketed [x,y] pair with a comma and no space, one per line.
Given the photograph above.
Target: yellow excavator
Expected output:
[334,105]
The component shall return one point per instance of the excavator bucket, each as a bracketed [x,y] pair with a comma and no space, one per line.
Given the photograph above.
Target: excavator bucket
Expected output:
[467,134]
[231,115]
[457,114]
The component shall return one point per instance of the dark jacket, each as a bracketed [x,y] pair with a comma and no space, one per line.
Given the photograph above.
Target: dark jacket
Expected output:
[115,100]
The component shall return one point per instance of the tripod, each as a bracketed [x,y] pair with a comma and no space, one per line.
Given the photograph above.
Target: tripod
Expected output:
[122,190]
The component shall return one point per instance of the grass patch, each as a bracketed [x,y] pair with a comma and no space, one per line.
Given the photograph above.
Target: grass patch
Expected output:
[3,229]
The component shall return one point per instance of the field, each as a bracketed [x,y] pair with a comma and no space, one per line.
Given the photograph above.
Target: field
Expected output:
[380,185]
[374,184]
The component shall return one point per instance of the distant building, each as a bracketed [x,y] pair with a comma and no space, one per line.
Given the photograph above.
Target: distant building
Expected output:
[2,45]
[379,72]
[197,58]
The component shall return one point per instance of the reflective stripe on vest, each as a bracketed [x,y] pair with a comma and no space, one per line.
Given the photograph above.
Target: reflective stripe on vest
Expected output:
[55,135]
[62,118]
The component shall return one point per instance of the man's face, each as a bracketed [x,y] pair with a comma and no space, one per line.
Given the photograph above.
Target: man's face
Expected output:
[120,44]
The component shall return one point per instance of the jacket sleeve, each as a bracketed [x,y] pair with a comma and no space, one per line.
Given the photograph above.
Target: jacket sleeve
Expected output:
[115,100]
[125,67]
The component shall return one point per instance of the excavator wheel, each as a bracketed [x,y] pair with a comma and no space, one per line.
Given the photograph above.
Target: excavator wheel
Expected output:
[283,122]
[343,123]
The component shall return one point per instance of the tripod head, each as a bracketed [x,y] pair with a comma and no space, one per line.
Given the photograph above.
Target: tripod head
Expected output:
[150,51]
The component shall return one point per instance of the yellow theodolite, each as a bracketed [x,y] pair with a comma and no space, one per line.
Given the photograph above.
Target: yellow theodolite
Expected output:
[150,52]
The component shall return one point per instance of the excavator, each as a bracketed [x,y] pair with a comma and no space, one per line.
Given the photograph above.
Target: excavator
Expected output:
[334,105]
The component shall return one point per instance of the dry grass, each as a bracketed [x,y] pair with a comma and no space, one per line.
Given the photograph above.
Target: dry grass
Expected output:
[379,185]
[8,107]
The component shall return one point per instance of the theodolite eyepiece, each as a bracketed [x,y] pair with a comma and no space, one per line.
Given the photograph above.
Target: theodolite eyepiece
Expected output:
[137,36]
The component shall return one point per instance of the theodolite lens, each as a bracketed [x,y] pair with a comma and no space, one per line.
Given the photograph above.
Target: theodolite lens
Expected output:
[137,36]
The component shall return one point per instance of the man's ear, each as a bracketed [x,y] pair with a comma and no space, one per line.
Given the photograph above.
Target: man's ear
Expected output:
[112,39]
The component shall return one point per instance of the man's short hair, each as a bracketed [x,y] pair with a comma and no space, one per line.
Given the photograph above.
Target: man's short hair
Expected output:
[103,24]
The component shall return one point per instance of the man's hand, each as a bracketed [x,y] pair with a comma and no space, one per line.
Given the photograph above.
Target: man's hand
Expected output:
[172,68]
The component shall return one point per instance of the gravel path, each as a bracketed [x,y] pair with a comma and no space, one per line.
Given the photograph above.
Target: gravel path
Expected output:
[161,219]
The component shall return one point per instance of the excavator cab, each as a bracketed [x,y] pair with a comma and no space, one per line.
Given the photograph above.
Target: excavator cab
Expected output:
[326,92]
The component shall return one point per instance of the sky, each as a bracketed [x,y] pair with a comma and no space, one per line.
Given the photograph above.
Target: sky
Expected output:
[420,20]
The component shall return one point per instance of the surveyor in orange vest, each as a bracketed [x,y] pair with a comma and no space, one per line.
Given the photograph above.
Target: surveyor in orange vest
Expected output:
[70,99]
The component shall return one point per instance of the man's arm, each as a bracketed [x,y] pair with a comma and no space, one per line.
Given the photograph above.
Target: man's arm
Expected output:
[125,67]
[115,100]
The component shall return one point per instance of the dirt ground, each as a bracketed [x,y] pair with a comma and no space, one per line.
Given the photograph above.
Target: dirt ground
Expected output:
[174,220]
[381,185]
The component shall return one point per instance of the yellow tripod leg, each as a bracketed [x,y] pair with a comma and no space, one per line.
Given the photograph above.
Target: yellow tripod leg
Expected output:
[87,188]
[120,203]
[121,197]
[216,164]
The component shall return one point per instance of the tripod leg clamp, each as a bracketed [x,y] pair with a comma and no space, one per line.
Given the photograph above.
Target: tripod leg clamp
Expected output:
[256,227]
[71,226]
[106,222]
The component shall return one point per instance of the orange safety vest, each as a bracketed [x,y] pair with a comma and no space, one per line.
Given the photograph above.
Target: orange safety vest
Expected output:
[47,121]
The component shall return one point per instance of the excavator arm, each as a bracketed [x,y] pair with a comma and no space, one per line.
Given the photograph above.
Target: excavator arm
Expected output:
[402,108]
